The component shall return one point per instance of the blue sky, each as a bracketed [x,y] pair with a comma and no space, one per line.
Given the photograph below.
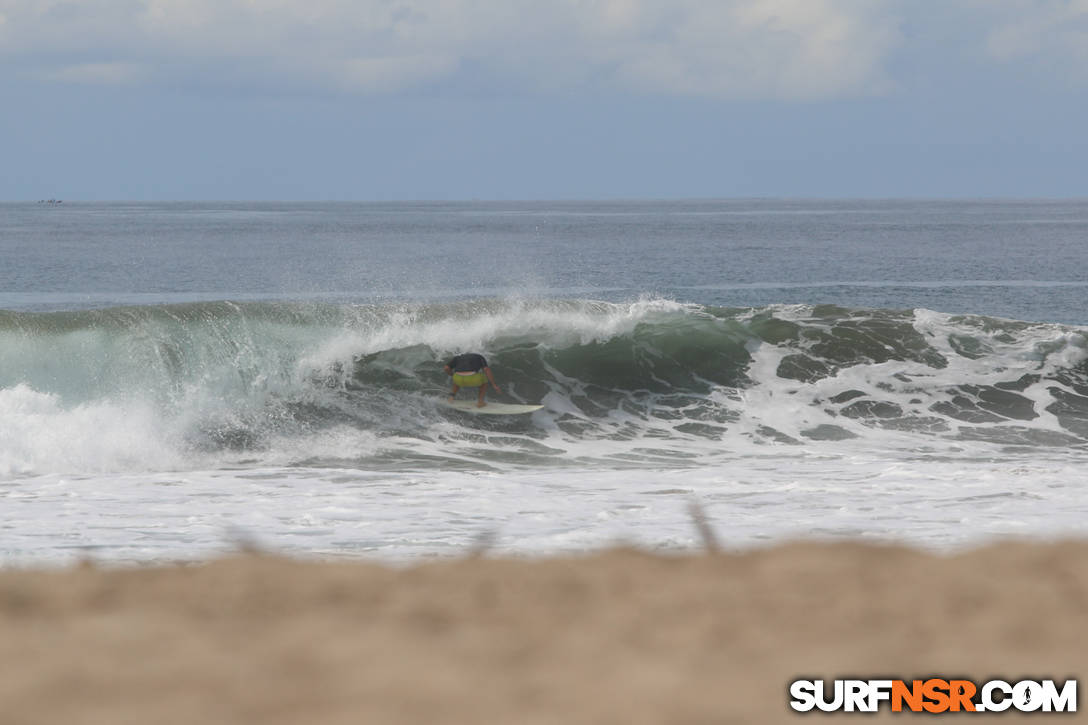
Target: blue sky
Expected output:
[521,99]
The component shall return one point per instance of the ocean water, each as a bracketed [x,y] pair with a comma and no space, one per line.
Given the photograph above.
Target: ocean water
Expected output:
[176,378]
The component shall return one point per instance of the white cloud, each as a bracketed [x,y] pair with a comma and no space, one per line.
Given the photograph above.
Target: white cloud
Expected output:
[725,48]
[777,48]
[392,73]
[98,73]
[793,49]
[1049,32]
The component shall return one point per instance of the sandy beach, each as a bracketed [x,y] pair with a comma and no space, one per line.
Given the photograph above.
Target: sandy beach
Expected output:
[620,636]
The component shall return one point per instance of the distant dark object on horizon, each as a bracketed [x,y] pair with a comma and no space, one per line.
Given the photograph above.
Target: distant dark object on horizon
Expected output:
[51,201]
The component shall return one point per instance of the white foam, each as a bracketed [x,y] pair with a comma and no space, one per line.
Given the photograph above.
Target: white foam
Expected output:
[551,324]
[117,473]
[750,501]
[39,434]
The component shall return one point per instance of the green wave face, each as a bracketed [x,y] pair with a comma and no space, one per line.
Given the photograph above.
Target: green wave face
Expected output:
[246,376]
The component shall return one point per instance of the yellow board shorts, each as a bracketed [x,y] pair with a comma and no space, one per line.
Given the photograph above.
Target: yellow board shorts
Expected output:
[472,380]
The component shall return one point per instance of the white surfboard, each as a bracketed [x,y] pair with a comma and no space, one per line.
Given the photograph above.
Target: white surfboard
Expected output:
[469,406]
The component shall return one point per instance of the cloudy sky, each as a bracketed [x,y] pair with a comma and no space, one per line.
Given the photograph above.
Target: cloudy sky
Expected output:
[552,99]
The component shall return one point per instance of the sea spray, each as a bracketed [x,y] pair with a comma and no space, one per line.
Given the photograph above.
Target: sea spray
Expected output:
[650,381]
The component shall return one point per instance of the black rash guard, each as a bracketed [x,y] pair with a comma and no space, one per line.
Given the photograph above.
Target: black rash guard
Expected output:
[468,362]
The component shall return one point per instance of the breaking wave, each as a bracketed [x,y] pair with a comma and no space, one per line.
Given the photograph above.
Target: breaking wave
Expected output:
[645,383]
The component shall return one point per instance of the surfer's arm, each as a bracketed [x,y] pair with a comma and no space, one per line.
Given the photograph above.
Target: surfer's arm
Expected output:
[487,371]
[448,370]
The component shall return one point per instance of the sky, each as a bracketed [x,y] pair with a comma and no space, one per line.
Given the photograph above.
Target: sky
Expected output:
[150,100]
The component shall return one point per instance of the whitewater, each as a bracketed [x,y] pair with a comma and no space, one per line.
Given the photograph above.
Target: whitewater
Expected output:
[165,415]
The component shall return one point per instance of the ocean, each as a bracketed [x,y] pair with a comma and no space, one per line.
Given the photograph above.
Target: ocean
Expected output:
[179,379]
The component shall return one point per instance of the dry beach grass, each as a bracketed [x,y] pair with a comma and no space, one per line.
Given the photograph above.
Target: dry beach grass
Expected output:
[620,636]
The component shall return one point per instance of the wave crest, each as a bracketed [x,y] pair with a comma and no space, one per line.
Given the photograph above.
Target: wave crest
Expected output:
[294,381]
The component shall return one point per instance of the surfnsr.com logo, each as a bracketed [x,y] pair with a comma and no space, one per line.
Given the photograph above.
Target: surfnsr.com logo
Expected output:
[934,695]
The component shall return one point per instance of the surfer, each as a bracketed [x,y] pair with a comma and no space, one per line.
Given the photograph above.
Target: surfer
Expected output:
[470,370]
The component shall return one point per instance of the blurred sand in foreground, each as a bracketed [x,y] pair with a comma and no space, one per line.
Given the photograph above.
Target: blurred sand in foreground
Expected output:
[616,637]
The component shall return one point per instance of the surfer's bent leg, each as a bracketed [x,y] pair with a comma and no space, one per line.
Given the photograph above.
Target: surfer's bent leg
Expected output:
[454,391]
[480,403]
